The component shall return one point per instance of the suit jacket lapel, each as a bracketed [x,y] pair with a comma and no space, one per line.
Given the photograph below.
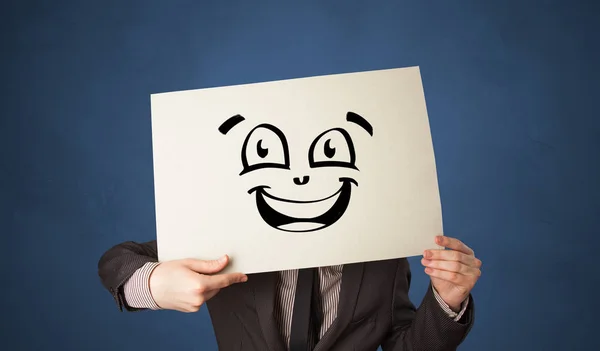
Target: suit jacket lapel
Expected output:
[265,285]
[352,276]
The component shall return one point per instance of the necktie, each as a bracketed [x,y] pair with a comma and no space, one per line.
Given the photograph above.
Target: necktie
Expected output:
[304,319]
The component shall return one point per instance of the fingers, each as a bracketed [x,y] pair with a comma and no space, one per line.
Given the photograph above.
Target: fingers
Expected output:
[207,267]
[450,255]
[459,280]
[221,281]
[206,287]
[209,295]
[457,265]
[454,244]
[451,266]
[199,299]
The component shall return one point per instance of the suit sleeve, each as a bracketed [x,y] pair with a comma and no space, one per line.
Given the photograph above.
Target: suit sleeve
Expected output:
[427,328]
[119,263]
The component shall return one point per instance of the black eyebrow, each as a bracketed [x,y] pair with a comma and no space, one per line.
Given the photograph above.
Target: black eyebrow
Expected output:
[230,123]
[358,119]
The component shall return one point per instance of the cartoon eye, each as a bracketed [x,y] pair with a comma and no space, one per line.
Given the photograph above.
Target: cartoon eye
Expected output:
[332,148]
[265,147]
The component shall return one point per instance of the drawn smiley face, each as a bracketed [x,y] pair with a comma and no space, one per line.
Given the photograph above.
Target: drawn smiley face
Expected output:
[266,146]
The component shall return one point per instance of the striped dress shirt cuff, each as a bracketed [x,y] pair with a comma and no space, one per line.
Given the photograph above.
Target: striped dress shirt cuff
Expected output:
[137,293]
[137,288]
[455,316]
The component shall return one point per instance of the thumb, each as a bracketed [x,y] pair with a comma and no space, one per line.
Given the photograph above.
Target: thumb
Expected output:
[207,266]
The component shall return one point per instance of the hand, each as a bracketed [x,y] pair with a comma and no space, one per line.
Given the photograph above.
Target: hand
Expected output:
[185,285]
[453,272]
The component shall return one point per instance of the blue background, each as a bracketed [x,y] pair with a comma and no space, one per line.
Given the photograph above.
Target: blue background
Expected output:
[512,93]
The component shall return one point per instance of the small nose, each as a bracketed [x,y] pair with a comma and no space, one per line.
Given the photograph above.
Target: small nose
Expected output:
[304,180]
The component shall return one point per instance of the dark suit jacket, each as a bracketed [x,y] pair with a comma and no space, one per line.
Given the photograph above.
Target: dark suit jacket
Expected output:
[374,308]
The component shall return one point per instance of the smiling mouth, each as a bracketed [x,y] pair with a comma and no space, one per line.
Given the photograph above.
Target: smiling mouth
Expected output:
[303,216]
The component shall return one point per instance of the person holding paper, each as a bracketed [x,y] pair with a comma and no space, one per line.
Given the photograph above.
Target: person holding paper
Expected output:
[348,307]
[284,174]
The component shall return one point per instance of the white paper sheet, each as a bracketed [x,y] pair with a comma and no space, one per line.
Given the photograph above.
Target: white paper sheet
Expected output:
[296,173]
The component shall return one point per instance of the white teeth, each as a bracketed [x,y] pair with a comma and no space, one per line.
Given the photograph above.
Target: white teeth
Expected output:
[301,226]
[302,210]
